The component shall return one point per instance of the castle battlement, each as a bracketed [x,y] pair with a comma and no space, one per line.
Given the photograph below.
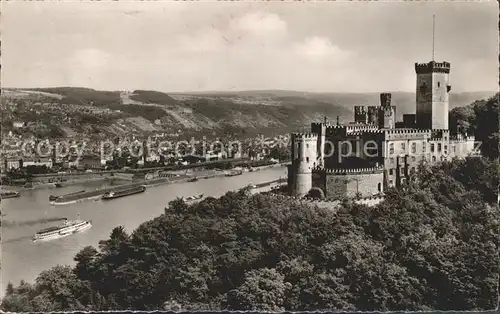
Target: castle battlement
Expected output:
[359,109]
[348,171]
[369,131]
[432,67]
[304,136]
[462,138]
[406,131]
[361,127]
[336,126]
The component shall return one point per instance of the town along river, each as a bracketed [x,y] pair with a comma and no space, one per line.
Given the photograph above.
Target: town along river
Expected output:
[23,259]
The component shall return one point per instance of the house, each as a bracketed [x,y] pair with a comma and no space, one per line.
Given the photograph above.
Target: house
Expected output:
[89,162]
[36,162]
[11,163]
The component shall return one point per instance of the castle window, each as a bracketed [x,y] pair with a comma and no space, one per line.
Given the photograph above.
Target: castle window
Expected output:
[390,182]
[439,84]
[432,148]
[414,148]
[413,158]
[424,147]
[391,172]
[402,171]
[403,146]
[391,160]
[391,148]
[439,147]
[307,159]
[379,187]
[433,158]
[453,148]
[412,170]
[307,145]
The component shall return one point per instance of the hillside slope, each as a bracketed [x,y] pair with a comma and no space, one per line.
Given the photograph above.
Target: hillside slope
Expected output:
[68,110]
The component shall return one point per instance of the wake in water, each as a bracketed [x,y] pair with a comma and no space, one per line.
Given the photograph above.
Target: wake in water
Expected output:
[10,224]
[16,239]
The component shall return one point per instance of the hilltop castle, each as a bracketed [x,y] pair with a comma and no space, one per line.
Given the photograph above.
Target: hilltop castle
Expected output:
[365,157]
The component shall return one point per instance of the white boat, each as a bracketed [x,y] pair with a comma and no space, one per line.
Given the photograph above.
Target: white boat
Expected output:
[65,229]
[191,199]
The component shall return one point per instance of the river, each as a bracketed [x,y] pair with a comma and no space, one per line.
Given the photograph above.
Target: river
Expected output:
[23,259]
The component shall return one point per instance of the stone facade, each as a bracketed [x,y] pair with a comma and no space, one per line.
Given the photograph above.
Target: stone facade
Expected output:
[338,184]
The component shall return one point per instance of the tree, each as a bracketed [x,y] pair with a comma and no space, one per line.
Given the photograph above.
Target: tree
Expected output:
[263,290]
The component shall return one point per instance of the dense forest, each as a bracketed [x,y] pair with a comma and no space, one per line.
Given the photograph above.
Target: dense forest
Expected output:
[480,119]
[432,244]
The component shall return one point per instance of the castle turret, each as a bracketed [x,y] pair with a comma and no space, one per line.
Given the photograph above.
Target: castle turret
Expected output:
[360,114]
[304,160]
[387,113]
[433,92]
[385,99]
[373,115]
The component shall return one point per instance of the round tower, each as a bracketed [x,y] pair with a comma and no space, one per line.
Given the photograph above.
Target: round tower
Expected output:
[304,146]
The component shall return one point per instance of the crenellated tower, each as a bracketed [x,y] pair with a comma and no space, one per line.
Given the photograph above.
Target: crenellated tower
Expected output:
[387,113]
[304,160]
[433,93]
[360,114]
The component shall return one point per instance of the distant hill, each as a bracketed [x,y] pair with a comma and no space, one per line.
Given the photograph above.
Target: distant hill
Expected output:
[266,111]
[404,101]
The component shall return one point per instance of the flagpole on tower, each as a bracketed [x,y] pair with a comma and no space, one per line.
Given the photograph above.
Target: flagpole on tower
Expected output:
[433,34]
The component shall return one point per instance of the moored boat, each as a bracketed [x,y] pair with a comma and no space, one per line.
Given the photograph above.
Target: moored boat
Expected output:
[9,194]
[65,229]
[193,179]
[116,194]
[234,173]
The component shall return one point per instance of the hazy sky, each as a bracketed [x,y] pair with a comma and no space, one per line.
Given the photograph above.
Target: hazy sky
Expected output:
[191,46]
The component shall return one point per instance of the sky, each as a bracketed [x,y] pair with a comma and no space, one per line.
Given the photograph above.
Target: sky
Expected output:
[200,46]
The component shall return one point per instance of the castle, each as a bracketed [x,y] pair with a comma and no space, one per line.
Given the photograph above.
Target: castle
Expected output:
[365,157]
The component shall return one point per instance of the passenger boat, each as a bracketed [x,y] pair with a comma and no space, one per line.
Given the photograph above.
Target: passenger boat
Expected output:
[116,194]
[9,194]
[193,179]
[58,185]
[191,199]
[65,229]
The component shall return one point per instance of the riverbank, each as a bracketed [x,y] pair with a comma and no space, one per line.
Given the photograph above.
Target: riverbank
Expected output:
[38,186]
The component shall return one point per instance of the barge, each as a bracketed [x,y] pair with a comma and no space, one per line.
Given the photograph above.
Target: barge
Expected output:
[126,192]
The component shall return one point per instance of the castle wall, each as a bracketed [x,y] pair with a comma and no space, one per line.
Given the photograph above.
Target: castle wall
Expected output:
[319,180]
[462,147]
[349,184]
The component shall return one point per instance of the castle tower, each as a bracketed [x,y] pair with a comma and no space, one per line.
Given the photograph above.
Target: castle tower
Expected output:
[304,160]
[387,113]
[360,114]
[373,115]
[433,91]
[320,130]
